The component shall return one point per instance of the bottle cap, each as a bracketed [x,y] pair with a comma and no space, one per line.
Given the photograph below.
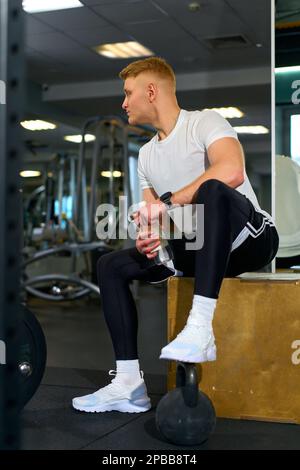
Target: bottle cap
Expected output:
[135,208]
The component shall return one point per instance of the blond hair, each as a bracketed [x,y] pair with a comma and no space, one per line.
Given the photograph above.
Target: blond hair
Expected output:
[155,65]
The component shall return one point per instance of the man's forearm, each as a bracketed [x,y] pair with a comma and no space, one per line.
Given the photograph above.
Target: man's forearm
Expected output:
[221,172]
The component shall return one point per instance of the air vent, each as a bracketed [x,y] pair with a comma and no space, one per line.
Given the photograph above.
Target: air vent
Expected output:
[228,42]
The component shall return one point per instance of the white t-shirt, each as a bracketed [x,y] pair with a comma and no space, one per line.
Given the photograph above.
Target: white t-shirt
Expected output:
[176,161]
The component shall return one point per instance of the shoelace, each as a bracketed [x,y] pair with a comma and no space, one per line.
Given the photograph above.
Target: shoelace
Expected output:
[116,385]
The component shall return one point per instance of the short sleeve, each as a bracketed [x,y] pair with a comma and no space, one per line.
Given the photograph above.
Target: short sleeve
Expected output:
[144,181]
[211,126]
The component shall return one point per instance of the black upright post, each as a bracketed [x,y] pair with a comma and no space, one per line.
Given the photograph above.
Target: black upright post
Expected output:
[11,152]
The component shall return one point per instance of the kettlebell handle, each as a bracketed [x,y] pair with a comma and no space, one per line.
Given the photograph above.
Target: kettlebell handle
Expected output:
[187,378]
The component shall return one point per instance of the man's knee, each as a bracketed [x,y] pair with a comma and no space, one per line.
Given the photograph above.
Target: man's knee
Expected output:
[209,188]
[105,263]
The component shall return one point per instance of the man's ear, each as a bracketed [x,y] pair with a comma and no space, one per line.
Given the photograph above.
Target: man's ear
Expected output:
[152,91]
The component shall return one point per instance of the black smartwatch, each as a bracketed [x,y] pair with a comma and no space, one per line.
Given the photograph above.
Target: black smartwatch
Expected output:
[166,198]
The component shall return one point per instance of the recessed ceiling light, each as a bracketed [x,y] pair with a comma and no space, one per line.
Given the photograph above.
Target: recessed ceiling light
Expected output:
[77,139]
[294,137]
[229,112]
[294,68]
[30,173]
[107,174]
[123,50]
[38,125]
[37,6]
[194,6]
[251,130]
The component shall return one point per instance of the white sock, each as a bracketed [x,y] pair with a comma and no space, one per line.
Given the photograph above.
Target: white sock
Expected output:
[202,311]
[128,371]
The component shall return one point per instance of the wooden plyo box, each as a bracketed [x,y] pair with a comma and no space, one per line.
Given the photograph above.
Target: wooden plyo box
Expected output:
[257,329]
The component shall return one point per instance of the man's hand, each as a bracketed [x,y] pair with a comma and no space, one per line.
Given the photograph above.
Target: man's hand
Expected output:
[146,242]
[149,218]
[151,214]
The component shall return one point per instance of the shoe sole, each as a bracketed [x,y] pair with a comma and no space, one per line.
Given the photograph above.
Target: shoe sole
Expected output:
[125,407]
[208,356]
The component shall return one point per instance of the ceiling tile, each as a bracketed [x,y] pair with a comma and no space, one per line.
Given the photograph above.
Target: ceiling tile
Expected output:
[34,26]
[214,18]
[96,36]
[131,13]
[50,41]
[258,19]
[72,19]
[108,2]
[77,55]
[175,41]
[41,61]
[162,30]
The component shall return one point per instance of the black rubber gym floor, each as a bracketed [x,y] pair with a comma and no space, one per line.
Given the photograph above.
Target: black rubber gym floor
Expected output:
[49,422]
[79,357]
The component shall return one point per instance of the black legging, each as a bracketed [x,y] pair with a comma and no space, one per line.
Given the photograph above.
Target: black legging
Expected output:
[226,213]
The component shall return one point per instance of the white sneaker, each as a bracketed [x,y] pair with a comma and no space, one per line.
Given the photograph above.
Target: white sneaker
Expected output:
[193,344]
[116,397]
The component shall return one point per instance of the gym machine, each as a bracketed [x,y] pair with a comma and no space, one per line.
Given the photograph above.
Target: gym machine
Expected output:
[11,110]
[23,347]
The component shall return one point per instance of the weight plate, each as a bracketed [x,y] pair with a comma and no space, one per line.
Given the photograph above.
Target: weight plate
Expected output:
[33,355]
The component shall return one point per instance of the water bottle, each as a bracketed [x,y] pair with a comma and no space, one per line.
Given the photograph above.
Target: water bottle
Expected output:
[134,209]
[165,254]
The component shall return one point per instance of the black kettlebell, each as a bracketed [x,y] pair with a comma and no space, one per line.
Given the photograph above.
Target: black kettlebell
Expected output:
[185,416]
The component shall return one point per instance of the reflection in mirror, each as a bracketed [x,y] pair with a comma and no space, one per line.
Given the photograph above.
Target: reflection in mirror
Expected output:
[287,180]
[288,211]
